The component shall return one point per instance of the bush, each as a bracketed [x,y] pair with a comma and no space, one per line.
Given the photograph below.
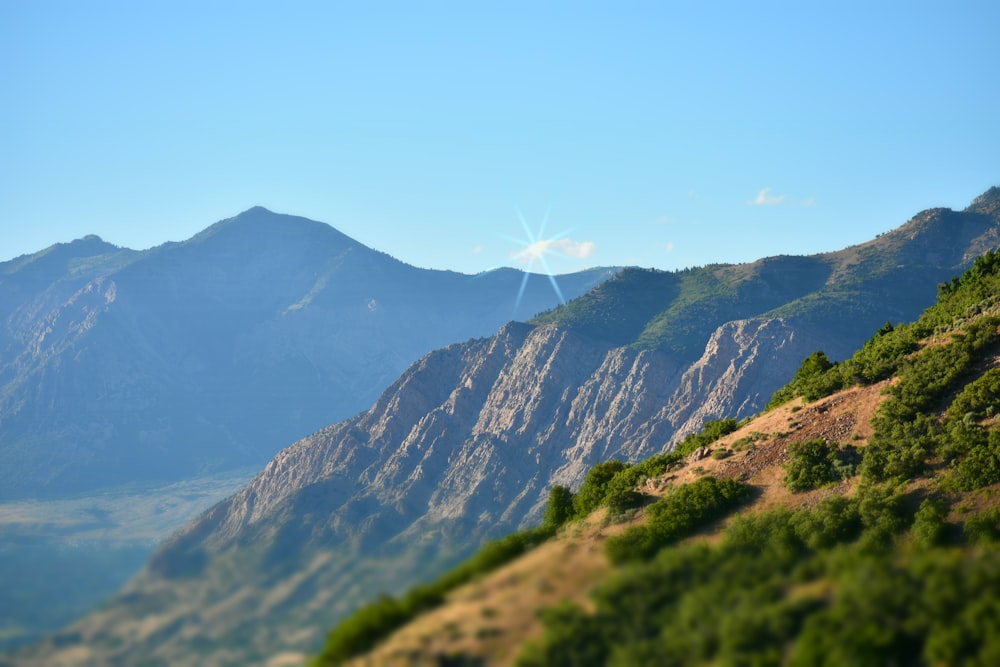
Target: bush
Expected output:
[812,381]
[834,520]
[559,509]
[977,397]
[572,637]
[362,630]
[883,513]
[898,448]
[983,528]
[684,510]
[595,486]
[929,528]
[710,432]
[814,463]
[979,465]
[796,588]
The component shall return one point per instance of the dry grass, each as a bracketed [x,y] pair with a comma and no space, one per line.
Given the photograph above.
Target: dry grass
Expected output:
[491,617]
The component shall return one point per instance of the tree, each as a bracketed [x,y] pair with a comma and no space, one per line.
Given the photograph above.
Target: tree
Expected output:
[560,508]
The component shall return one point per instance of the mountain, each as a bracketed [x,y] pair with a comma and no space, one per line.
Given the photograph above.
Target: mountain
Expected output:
[139,388]
[467,443]
[858,526]
[119,366]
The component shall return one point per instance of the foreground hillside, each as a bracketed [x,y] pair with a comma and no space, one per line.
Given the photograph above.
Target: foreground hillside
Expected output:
[466,445]
[855,522]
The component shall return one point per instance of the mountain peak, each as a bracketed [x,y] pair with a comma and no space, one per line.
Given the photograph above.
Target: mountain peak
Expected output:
[255,211]
[257,224]
[987,203]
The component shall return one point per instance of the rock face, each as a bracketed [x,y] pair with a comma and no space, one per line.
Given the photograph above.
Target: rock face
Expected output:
[744,363]
[119,366]
[466,444]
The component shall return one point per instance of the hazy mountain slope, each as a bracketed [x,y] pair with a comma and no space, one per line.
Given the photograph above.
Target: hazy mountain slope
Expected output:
[466,444]
[128,374]
[208,354]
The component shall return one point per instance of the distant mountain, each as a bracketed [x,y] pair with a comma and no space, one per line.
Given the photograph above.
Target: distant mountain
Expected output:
[466,444]
[119,366]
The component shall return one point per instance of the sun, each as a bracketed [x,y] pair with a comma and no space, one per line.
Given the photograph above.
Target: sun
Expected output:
[534,249]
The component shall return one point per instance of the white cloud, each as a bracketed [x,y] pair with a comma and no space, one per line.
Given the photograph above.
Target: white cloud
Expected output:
[764,198]
[478,249]
[668,247]
[808,201]
[569,247]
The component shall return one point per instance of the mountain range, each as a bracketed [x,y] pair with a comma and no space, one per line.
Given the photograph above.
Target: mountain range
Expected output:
[118,366]
[467,443]
[137,388]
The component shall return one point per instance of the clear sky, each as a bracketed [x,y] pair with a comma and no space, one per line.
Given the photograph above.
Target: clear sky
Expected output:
[663,134]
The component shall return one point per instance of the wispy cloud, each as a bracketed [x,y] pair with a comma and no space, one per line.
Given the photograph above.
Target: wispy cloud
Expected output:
[478,249]
[808,201]
[668,247]
[539,249]
[765,198]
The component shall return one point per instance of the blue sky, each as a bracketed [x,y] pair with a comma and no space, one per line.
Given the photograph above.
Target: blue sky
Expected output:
[665,134]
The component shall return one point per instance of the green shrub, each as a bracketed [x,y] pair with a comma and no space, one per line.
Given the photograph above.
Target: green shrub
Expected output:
[559,509]
[710,432]
[812,380]
[883,513]
[572,637]
[681,512]
[899,447]
[798,588]
[929,527]
[592,492]
[983,528]
[834,520]
[815,463]
[977,397]
[620,493]
[979,464]
[362,630]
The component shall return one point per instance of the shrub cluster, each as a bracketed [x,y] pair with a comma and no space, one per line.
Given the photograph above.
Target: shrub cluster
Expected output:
[710,431]
[907,430]
[851,582]
[678,514]
[958,300]
[815,463]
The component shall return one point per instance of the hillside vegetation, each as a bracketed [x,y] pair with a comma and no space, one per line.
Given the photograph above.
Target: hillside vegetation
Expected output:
[676,312]
[466,445]
[854,522]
